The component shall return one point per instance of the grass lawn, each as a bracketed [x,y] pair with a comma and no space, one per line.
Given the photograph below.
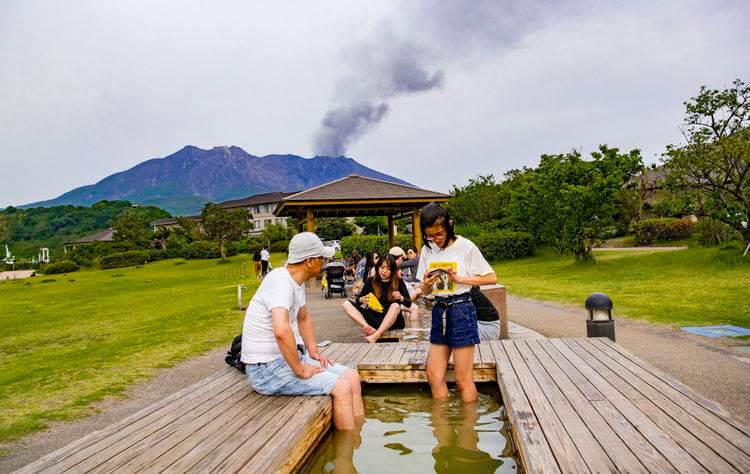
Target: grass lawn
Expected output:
[69,340]
[698,286]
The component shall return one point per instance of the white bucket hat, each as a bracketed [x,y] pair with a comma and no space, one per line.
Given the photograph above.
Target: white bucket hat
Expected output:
[307,245]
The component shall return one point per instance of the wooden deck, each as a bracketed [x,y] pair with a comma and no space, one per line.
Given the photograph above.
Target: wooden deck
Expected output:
[573,405]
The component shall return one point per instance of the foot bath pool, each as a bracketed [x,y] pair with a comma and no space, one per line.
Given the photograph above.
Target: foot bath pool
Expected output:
[406,431]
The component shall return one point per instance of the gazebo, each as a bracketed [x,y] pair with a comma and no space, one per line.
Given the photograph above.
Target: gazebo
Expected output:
[354,196]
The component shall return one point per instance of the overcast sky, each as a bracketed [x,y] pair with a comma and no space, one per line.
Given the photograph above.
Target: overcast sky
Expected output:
[455,89]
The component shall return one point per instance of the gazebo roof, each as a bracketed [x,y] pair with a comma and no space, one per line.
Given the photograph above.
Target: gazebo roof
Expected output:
[357,195]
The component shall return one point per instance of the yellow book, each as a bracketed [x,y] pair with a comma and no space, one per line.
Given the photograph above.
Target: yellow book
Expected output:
[373,303]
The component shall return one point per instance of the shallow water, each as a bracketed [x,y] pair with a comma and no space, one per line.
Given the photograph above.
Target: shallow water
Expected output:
[406,431]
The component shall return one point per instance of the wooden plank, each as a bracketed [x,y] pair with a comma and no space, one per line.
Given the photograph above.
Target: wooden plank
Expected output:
[138,457]
[379,359]
[558,439]
[477,356]
[695,434]
[329,349]
[149,413]
[486,355]
[394,359]
[119,453]
[359,354]
[592,452]
[618,451]
[418,375]
[134,425]
[418,359]
[295,441]
[246,434]
[534,452]
[708,405]
[688,432]
[660,451]
[192,449]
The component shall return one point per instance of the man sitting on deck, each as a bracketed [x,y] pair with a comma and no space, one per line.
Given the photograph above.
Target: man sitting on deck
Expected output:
[278,339]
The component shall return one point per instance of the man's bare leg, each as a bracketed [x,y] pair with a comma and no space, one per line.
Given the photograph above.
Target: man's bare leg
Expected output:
[343,415]
[356,384]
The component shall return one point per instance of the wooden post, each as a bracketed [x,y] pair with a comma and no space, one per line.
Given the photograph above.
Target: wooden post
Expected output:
[497,294]
[310,221]
[415,231]
[391,235]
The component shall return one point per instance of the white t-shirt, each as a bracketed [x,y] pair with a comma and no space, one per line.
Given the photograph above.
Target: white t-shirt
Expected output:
[264,255]
[278,290]
[462,255]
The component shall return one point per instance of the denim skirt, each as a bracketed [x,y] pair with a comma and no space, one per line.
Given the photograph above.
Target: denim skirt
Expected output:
[460,318]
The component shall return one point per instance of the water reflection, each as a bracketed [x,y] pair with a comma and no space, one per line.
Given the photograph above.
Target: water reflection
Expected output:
[406,431]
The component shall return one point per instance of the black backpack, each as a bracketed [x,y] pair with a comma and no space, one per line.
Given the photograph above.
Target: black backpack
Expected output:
[234,353]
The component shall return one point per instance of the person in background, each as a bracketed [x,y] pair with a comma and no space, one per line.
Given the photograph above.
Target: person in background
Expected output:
[279,349]
[265,256]
[454,328]
[390,292]
[409,266]
[412,311]
[256,263]
[368,266]
[488,319]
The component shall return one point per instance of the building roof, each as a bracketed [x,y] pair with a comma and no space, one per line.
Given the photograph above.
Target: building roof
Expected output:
[354,187]
[358,196]
[265,198]
[101,236]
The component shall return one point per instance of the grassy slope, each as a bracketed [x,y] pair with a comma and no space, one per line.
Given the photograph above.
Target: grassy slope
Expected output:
[688,287]
[90,334]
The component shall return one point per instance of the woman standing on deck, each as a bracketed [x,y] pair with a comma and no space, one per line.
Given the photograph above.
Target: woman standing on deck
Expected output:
[449,266]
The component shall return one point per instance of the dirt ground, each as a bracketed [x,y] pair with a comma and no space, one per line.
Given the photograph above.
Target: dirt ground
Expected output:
[711,366]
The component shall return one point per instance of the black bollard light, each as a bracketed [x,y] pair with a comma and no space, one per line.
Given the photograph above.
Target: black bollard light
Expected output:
[600,322]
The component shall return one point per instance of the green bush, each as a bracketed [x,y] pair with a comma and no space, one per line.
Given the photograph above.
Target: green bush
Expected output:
[505,244]
[373,243]
[663,229]
[710,231]
[279,246]
[66,266]
[245,246]
[201,249]
[130,258]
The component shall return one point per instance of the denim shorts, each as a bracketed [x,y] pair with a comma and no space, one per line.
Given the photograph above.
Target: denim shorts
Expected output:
[461,322]
[277,378]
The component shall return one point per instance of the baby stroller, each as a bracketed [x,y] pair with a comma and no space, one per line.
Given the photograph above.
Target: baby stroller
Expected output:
[335,279]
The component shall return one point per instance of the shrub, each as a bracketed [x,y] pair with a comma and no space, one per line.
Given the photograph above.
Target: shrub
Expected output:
[710,231]
[65,266]
[664,229]
[368,243]
[505,244]
[159,254]
[201,249]
[245,246]
[279,246]
[130,258]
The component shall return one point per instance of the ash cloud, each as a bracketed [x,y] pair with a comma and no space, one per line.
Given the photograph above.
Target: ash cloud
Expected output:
[403,56]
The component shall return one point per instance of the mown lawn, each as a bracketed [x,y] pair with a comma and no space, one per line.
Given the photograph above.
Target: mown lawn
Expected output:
[68,340]
[697,286]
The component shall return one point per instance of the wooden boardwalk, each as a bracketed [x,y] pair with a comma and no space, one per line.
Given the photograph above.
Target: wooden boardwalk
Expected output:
[573,405]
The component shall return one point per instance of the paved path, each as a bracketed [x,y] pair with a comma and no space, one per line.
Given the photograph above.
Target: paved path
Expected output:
[643,249]
[710,366]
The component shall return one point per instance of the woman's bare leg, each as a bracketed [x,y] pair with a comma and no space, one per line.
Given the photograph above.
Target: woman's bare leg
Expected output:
[463,364]
[390,317]
[437,364]
[355,315]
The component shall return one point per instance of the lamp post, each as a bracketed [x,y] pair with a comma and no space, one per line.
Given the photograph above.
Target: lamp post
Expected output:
[600,322]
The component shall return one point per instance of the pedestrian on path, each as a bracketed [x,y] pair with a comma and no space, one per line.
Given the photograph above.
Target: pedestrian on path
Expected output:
[265,256]
[256,263]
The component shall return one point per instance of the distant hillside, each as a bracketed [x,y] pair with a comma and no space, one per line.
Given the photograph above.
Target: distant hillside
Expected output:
[183,182]
[25,230]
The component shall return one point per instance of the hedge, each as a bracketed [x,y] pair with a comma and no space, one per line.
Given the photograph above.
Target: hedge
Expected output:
[505,244]
[663,229]
[279,246]
[710,231]
[201,249]
[65,266]
[372,243]
[130,258]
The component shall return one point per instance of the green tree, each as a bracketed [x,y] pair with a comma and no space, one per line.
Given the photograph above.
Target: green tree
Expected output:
[224,225]
[131,226]
[483,200]
[333,228]
[568,201]
[715,161]
[372,225]
[276,232]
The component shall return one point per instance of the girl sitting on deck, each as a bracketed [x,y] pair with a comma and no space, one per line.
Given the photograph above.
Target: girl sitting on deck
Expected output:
[449,265]
[391,293]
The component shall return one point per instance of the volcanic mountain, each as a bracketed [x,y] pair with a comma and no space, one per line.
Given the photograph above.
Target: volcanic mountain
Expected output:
[183,182]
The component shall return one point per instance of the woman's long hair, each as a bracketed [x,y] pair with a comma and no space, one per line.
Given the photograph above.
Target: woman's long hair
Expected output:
[369,263]
[378,285]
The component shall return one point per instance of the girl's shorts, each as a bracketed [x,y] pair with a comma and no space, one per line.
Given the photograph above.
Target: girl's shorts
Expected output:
[460,321]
